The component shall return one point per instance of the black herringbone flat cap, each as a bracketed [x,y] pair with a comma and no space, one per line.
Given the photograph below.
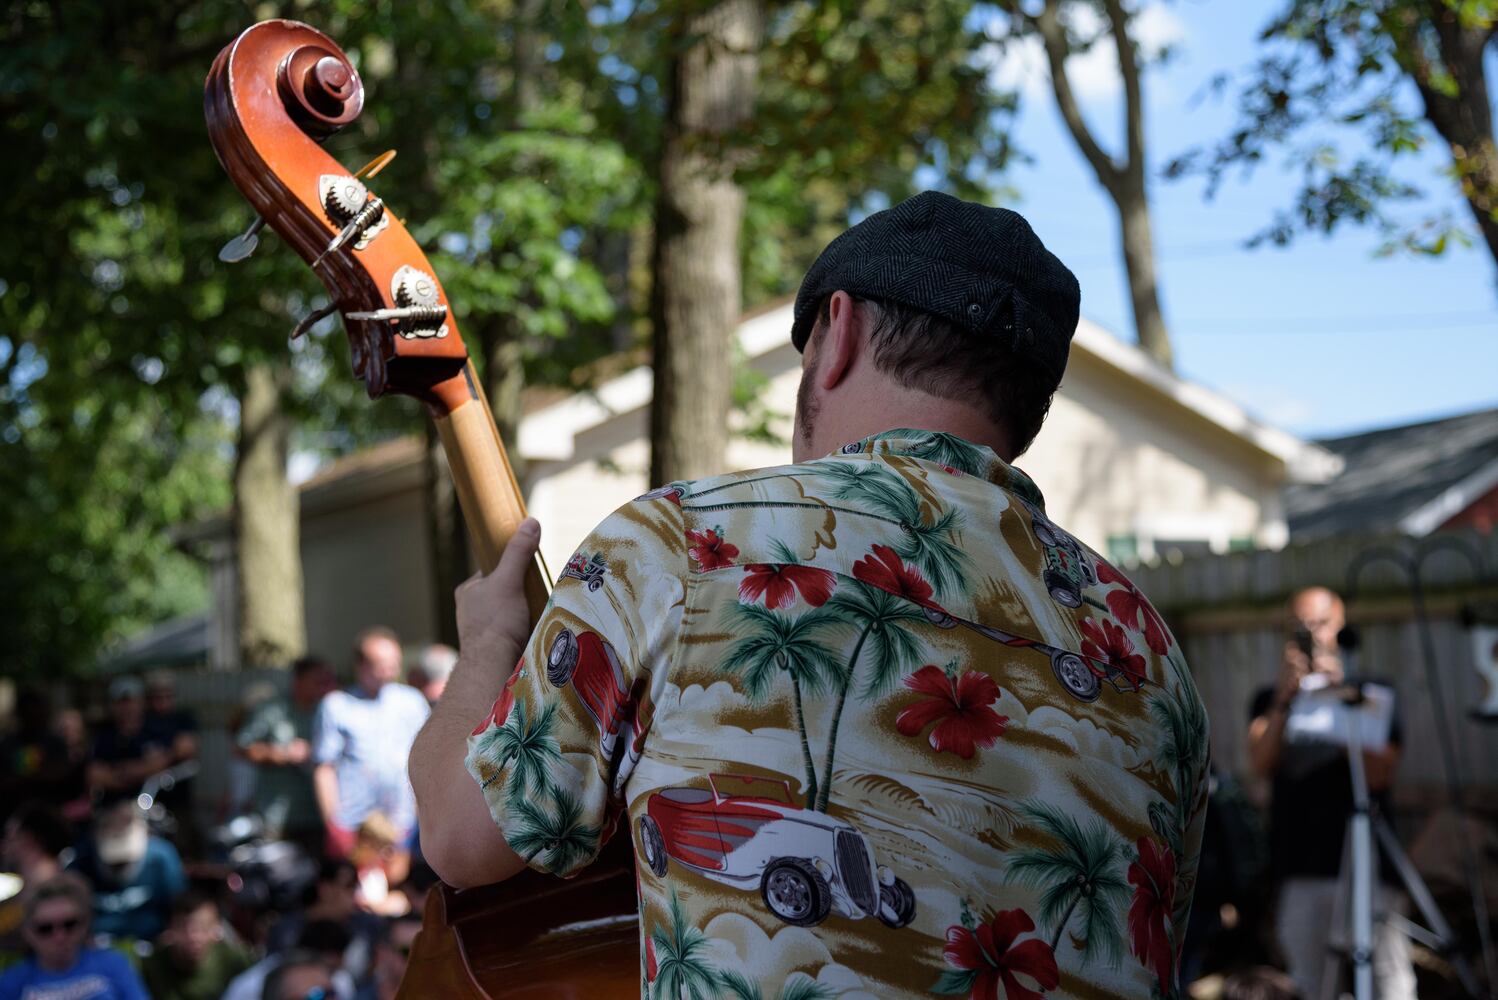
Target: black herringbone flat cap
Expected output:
[982,269]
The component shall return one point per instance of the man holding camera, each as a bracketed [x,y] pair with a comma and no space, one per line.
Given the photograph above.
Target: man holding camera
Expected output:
[1312,800]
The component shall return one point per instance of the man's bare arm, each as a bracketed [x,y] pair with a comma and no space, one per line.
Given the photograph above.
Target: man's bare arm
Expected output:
[458,836]
[325,788]
[291,755]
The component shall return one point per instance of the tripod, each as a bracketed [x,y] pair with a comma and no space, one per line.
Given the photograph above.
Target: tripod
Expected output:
[1353,914]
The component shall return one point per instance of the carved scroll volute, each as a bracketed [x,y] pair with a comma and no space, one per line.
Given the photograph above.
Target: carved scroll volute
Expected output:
[272,95]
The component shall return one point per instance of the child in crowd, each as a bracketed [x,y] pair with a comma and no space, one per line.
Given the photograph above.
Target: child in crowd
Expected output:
[382,865]
[193,961]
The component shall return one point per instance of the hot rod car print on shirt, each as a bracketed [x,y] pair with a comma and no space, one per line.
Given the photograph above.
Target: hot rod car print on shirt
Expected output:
[591,666]
[749,833]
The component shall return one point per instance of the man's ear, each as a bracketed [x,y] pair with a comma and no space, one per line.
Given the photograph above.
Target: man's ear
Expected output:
[841,341]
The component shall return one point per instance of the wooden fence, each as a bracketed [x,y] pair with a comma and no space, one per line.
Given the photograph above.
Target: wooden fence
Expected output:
[1228,613]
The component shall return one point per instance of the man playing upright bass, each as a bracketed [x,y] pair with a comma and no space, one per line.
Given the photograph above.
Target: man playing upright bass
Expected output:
[873,719]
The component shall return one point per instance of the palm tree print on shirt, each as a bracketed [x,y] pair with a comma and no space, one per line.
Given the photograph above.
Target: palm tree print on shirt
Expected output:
[886,642]
[950,451]
[682,970]
[557,836]
[930,545]
[1080,879]
[783,643]
[798,986]
[883,603]
[522,749]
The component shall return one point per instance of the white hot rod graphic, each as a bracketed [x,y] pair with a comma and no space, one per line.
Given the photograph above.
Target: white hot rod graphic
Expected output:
[748,832]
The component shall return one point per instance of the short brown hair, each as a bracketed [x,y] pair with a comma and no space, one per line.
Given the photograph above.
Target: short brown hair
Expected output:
[64,885]
[928,354]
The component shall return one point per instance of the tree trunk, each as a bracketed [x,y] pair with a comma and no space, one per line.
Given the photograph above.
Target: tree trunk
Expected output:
[1137,236]
[1465,118]
[695,298]
[272,626]
[1123,179]
[1452,80]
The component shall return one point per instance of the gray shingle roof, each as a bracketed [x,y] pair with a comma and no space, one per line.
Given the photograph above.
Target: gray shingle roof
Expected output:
[1392,473]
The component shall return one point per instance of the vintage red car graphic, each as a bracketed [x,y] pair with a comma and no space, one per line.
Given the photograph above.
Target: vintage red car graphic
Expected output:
[590,665]
[748,832]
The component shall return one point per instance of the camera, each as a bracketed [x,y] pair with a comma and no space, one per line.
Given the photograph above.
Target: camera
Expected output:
[1305,641]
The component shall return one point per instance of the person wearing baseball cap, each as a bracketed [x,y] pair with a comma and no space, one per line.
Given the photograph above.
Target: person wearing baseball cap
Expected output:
[126,750]
[873,716]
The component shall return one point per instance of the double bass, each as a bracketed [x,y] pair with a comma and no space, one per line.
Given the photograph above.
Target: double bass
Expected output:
[273,96]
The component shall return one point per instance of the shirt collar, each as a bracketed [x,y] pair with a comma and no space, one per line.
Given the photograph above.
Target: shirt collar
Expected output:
[950,452]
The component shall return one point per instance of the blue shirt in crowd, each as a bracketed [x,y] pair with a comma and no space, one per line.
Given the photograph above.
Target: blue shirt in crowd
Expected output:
[97,975]
[137,902]
[367,739]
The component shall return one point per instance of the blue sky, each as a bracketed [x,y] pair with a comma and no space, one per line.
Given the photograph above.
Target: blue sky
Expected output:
[1319,338]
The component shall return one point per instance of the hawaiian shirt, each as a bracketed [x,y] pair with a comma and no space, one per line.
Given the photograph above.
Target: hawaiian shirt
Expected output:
[878,727]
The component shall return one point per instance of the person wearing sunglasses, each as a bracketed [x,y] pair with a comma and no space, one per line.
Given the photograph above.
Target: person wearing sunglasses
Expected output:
[61,963]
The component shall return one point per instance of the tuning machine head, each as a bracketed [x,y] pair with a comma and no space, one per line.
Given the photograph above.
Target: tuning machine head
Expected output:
[241,246]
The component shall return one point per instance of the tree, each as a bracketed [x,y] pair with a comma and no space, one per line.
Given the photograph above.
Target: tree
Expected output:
[528,747]
[267,523]
[557,835]
[1079,877]
[929,544]
[119,253]
[797,986]
[1056,24]
[884,624]
[856,105]
[683,970]
[1391,72]
[696,298]
[790,644]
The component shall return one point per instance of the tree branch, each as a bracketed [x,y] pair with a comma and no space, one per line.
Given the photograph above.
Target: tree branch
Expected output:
[1053,34]
[1128,66]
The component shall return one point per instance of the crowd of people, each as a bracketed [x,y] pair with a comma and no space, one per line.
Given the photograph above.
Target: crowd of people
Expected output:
[111,886]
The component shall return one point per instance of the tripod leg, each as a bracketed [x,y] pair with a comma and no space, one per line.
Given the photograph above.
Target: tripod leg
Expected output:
[1336,939]
[1393,970]
[1420,895]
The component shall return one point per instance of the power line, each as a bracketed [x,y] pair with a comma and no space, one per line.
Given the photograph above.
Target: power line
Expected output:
[1310,325]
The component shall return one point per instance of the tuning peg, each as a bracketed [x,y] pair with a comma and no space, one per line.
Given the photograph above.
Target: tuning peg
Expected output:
[375,165]
[368,217]
[310,320]
[242,245]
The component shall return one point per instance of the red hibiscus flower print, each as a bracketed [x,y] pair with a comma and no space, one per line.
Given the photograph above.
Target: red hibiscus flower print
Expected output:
[778,585]
[883,569]
[651,968]
[1106,642]
[988,957]
[1153,878]
[502,705]
[1129,605]
[958,705]
[710,550]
